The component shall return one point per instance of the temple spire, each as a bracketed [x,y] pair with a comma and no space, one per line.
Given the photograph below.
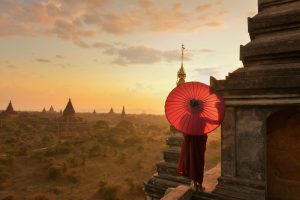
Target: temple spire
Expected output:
[9,108]
[123,111]
[111,111]
[182,49]
[51,110]
[69,110]
[181,73]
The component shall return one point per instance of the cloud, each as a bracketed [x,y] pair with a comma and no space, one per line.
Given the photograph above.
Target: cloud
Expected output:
[175,55]
[136,55]
[177,17]
[102,45]
[142,55]
[59,56]
[213,24]
[114,22]
[12,66]
[204,50]
[61,65]
[139,86]
[78,21]
[142,87]
[208,71]
[203,7]
[71,31]
[43,60]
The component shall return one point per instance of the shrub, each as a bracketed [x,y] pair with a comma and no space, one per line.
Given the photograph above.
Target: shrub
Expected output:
[4,172]
[11,128]
[139,164]
[78,160]
[73,176]
[38,154]
[126,124]
[10,140]
[8,197]
[63,148]
[101,125]
[130,183]
[119,130]
[55,190]
[106,192]
[42,197]
[131,141]
[140,148]
[96,150]
[59,149]
[133,186]
[18,151]
[121,159]
[55,172]
[113,141]
[154,128]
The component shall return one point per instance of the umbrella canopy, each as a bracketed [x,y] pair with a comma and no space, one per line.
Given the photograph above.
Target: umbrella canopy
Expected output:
[193,108]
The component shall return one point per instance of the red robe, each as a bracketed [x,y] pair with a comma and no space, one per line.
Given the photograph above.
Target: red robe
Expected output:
[192,157]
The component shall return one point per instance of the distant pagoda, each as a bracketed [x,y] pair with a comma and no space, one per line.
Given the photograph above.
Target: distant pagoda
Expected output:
[123,111]
[111,111]
[9,110]
[94,112]
[44,110]
[51,110]
[69,110]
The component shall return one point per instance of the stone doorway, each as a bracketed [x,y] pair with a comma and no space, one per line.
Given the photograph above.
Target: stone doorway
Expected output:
[283,155]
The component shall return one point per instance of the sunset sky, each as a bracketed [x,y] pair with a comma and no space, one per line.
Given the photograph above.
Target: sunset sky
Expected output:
[110,53]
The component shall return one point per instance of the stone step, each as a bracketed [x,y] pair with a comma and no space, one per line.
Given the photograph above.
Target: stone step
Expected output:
[177,179]
[175,140]
[165,168]
[157,185]
[171,154]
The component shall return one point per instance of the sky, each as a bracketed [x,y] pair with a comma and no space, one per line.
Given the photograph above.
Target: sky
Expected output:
[110,53]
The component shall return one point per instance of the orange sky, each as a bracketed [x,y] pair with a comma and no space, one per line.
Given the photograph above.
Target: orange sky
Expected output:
[109,53]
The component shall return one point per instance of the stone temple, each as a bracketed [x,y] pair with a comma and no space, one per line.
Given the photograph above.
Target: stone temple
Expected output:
[261,131]
[9,110]
[260,135]
[69,110]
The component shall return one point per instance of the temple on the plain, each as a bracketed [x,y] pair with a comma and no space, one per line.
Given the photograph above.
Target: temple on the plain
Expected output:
[9,110]
[69,111]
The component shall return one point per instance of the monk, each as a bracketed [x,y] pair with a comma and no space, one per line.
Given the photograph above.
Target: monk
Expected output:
[192,158]
[192,155]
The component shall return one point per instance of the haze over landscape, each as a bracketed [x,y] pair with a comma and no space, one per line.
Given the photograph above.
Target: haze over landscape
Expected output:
[106,53]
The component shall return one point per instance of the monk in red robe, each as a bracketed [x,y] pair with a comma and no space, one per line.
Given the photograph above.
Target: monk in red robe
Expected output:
[192,156]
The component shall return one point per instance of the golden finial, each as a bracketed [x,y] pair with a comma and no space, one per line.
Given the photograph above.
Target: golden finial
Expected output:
[181,73]
[182,49]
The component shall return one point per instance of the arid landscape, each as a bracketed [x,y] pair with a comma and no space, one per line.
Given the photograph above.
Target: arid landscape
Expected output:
[100,156]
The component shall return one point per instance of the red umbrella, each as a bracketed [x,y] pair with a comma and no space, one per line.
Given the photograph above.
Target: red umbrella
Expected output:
[194,108]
